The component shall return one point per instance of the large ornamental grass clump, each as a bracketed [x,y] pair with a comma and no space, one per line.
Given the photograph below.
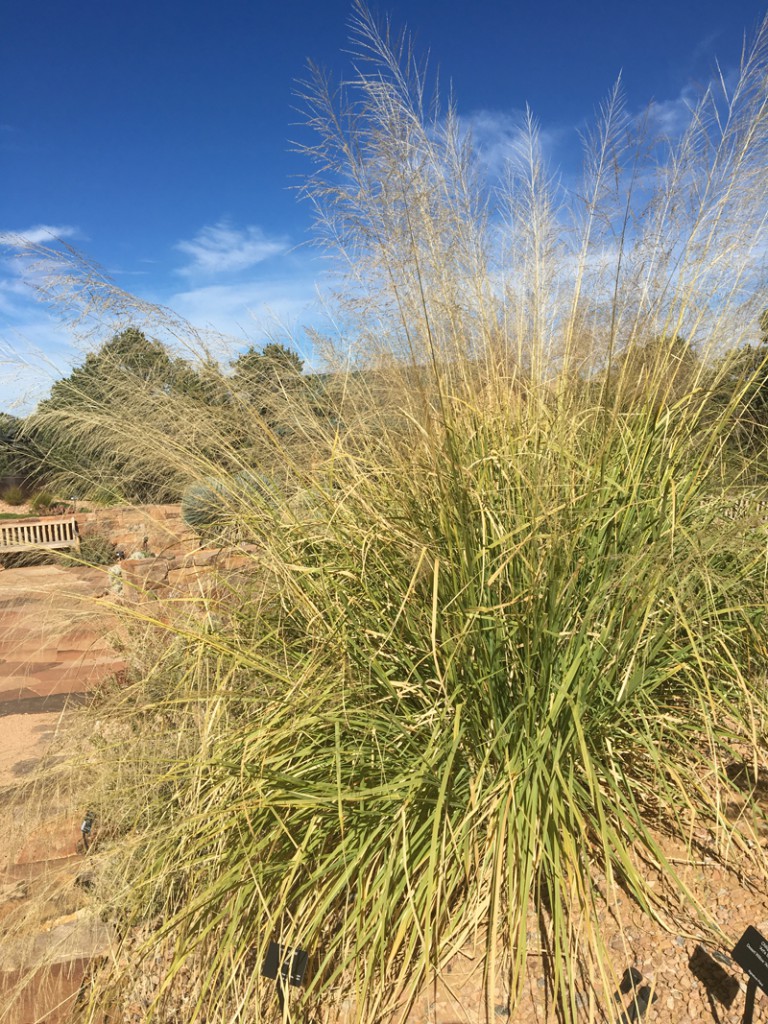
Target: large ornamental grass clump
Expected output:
[501,637]
[498,670]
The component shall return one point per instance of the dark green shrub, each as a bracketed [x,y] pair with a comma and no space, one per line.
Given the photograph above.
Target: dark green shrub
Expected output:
[42,503]
[94,550]
[104,497]
[13,495]
[97,550]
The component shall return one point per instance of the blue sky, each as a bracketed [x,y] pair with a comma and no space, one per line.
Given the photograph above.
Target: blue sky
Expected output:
[156,136]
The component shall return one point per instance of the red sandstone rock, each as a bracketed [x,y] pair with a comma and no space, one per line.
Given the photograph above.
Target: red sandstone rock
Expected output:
[142,576]
[235,561]
[49,996]
[126,528]
[57,837]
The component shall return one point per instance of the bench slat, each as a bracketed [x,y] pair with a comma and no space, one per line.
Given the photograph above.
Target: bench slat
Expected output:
[27,534]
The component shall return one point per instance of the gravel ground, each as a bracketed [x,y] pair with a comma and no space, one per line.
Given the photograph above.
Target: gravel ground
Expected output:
[687,980]
[18,510]
[682,978]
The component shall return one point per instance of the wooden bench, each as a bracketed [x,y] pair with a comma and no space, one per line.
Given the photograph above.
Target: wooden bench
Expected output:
[46,532]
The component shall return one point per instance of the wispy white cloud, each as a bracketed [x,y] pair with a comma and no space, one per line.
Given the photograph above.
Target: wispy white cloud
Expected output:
[669,118]
[498,137]
[245,311]
[40,234]
[220,248]
[35,350]
[13,292]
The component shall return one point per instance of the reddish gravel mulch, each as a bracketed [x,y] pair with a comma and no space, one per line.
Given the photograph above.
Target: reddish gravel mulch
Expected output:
[685,978]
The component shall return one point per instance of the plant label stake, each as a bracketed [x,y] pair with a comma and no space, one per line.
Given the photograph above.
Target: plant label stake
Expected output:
[751,954]
[287,965]
[87,827]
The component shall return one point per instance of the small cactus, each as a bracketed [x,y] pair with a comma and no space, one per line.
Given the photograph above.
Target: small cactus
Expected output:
[216,506]
[203,506]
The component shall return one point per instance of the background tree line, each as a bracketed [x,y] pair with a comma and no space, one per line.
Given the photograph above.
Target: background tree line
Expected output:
[73,441]
[262,399]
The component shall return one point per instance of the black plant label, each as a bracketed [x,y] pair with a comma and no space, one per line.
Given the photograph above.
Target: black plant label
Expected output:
[289,963]
[751,954]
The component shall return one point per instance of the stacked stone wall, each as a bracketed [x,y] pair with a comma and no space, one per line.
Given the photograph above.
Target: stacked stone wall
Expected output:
[178,567]
[200,573]
[156,528]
